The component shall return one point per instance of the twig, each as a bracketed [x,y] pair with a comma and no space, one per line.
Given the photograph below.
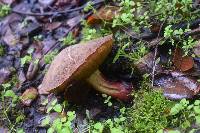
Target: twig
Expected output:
[155,53]
[58,12]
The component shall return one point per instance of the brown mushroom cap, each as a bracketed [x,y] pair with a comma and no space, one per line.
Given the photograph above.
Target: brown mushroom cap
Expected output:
[75,63]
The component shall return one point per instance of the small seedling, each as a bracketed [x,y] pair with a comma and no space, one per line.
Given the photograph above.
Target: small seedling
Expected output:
[68,40]
[4,10]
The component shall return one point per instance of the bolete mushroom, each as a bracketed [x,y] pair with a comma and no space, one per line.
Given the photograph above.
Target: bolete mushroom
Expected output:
[80,62]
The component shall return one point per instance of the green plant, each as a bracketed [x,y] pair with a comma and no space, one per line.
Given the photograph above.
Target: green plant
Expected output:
[107,99]
[185,114]
[149,113]
[89,32]
[54,106]
[2,52]
[9,102]
[133,55]
[88,6]
[37,38]
[115,125]
[61,124]
[4,10]
[150,110]
[48,58]
[68,40]
[187,44]
[27,58]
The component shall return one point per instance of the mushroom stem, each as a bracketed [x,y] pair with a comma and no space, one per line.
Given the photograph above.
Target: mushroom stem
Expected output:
[117,89]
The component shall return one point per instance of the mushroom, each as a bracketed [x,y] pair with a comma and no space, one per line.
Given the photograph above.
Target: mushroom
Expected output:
[80,62]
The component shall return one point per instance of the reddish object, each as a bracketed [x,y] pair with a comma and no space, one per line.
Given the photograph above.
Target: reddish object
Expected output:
[182,63]
[117,89]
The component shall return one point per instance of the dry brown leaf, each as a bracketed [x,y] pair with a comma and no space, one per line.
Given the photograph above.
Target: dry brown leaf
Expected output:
[182,63]
[75,63]
[52,26]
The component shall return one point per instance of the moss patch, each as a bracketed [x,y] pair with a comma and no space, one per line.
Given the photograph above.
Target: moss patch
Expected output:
[149,113]
[2,51]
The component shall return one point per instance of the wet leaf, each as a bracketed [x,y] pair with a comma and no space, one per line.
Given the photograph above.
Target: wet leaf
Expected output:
[75,63]
[182,63]
[176,85]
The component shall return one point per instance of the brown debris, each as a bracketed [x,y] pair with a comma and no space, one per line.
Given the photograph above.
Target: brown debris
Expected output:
[5,74]
[145,64]
[29,95]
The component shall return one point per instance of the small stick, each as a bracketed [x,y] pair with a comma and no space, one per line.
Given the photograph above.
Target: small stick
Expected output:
[156,51]
[58,12]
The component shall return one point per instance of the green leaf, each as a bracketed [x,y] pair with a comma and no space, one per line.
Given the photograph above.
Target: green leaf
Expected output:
[174,131]
[197,109]
[49,109]
[50,130]
[71,115]
[197,102]
[98,126]
[20,130]
[193,131]
[46,121]
[63,119]
[197,119]
[160,131]
[6,86]
[57,108]
[9,93]
[54,102]
[45,102]
[25,59]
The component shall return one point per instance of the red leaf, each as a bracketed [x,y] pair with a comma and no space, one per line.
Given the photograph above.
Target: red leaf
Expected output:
[182,63]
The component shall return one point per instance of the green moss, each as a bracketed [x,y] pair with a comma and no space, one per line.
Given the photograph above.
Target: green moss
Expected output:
[2,52]
[4,10]
[149,113]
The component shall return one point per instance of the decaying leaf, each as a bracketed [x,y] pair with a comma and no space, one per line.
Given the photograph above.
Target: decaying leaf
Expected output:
[176,85]
[106,13]
[182,63]
[28,96]
[75,63]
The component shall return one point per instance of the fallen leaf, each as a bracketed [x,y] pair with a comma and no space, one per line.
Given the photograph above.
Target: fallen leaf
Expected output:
[145,64]
[52,26]
[182,63]
[75,63]
[10,38]
[5,74]
[106,13]
[176,85]
[46,3]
